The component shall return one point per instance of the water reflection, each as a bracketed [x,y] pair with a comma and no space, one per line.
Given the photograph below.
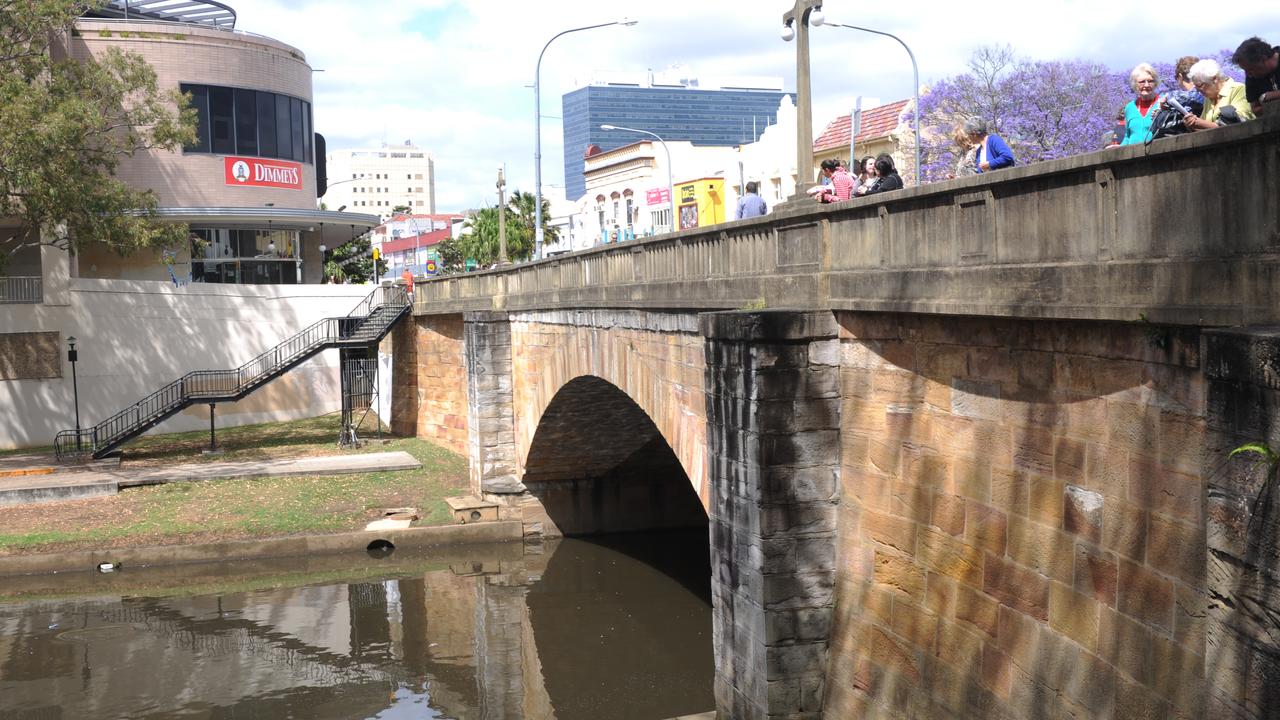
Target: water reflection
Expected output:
[618,628]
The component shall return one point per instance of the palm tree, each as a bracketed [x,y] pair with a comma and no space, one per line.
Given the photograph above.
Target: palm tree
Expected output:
[521,204]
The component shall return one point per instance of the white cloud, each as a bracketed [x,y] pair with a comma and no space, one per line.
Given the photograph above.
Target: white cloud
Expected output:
[455,77]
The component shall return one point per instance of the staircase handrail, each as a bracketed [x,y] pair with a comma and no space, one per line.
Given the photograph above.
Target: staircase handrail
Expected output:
[219,383]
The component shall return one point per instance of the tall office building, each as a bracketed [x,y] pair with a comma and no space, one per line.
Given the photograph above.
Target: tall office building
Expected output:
[377,180]
[706,111]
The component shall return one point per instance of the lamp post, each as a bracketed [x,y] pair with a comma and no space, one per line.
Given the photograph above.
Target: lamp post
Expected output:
[671,188]
[537,132]
[795,25]
[915,70]
[502,219]
[72,357]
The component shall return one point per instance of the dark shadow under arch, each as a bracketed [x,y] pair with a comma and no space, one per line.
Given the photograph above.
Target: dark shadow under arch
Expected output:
[599,464]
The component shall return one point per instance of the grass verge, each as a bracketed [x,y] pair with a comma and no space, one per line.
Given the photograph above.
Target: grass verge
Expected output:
[250,508]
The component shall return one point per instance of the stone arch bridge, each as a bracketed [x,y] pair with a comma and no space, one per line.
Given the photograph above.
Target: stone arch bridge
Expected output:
[969,456]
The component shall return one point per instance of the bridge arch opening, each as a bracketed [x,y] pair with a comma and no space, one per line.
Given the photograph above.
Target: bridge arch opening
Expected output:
[599,465]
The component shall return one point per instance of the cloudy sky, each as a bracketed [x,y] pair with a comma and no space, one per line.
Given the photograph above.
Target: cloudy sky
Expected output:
[456,76]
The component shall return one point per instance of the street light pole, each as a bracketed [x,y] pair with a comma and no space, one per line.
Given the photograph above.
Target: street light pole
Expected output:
[537,132]
[915,86]
[795,24]
[502,219]
[671,188]
[72,357]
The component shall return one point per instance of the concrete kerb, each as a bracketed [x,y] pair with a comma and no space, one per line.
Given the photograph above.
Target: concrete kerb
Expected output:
[293,546]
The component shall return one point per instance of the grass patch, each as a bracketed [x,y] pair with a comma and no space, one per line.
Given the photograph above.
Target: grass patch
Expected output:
[243,508]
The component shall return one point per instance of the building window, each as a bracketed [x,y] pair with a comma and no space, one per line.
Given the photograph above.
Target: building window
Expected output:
[249,122]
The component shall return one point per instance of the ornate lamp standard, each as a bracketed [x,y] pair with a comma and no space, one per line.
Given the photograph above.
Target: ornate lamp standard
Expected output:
[804,11]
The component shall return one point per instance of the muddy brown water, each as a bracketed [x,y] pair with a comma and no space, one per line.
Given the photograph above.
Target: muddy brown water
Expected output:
[611,627]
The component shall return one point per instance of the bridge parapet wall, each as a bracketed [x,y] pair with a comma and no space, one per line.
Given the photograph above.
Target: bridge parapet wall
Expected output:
[1185,230]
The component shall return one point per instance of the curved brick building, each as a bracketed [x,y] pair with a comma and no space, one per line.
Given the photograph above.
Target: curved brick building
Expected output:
[248,186]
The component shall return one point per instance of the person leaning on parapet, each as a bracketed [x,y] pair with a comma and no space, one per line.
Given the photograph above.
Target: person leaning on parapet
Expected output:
[750,205]
[1261,64]
[1140,111]
[966,165]
[887,177]
[1182,73]
[841,187]
[993,152]
[1219,92]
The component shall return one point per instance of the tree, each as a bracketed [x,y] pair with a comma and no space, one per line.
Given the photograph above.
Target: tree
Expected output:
[521,203]
[64,126]
[401,210]
[353,261]
[1043,109]
[480,241]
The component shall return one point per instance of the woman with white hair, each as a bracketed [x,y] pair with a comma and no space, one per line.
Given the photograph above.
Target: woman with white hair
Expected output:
[991,151]
[1219,91]
[1140,111]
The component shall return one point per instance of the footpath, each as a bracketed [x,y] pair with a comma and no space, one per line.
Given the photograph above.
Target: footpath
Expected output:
[35,477]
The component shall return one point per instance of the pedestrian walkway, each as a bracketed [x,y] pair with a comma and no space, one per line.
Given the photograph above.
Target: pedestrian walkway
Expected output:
[34,478]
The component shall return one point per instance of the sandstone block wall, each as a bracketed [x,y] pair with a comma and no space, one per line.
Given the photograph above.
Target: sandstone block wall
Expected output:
[773,404]
[1022,528]
[430,396]
[1242,661]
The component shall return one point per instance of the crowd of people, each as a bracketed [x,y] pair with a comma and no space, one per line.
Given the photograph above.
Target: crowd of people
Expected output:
[1202,97]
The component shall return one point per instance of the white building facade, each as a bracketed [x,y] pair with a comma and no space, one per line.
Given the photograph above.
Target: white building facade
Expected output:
[628,190]
[378,180]
[770,163]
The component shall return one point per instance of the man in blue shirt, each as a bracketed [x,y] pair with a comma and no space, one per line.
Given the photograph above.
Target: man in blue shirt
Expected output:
[750,205]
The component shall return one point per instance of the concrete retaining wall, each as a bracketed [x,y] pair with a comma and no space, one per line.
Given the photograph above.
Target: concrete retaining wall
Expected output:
[134,336]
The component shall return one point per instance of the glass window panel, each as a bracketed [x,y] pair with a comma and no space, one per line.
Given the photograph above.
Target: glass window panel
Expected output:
[246,122]
[295,120]
[306,132]
[267,124]
[284,138]
[200,102]
[221,108]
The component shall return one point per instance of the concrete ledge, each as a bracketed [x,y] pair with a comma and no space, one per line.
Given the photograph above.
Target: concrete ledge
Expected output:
[349,542]
[29,489]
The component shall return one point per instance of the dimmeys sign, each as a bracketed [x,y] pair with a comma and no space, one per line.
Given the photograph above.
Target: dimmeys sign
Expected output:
[263,173]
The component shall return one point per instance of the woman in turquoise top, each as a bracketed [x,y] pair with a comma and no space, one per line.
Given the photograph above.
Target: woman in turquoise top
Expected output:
[1140,111]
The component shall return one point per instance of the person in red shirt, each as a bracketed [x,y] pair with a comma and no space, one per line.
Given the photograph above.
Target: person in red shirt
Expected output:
[841,187]
[408,281]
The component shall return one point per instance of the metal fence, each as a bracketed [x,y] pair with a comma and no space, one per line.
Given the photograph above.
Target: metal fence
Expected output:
[15,290]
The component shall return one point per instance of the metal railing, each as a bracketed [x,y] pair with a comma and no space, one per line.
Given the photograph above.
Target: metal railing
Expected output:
[21,290]
[368,320]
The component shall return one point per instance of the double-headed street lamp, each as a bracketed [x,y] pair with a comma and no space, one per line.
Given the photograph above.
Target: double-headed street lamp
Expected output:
[671,188]
[809,12]
[818,19]
[795,25]
[537,132]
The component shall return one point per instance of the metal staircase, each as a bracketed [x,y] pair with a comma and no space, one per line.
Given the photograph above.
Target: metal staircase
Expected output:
[368,323]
